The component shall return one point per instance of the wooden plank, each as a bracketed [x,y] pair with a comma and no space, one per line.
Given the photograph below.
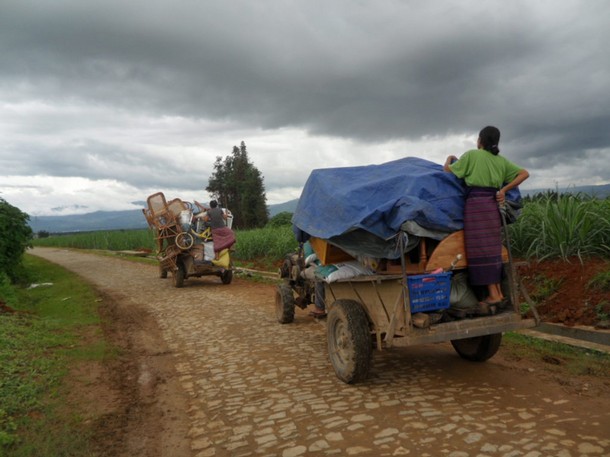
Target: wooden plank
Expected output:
[328,253]
[465,328]
[447,251]
[379,301]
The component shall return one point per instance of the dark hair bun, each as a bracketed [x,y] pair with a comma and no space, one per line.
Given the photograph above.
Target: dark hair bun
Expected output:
[490,137]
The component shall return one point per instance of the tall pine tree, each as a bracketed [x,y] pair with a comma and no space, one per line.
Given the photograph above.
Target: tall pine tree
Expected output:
[238,185]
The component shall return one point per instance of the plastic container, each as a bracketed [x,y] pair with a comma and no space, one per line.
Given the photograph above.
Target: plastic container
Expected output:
[229,218]
[429,292]
[185,217]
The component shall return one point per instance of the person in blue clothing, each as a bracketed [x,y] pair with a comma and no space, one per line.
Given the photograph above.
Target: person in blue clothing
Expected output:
[319,311]
[489,176]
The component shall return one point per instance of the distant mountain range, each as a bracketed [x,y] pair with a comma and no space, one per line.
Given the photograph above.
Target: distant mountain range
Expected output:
[114,220]
[134,219]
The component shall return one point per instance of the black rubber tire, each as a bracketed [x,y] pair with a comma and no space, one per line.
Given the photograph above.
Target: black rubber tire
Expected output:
[162,272]
[284,304]
[179,275]
[226,276]
[349,341]
[478,348]
[285,269]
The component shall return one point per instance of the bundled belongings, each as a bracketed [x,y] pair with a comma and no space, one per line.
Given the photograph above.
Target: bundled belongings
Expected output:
[378,199]
[189,245]
[379,219]
[389,264]
[364,209]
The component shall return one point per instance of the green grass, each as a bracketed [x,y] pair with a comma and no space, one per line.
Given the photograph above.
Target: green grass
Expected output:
[262,248]
[544,287]
[602,310]
[562,226]
[557,356]
[39,342]
[267,245]
[600,281]
[111,240]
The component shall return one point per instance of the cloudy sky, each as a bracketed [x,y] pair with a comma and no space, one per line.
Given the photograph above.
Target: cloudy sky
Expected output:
[103,102]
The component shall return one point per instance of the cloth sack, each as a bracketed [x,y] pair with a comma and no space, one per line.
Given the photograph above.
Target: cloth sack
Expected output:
[223,260]
[344,270]
[461,295]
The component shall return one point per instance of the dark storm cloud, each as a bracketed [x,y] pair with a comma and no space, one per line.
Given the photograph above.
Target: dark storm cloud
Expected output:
[370,71]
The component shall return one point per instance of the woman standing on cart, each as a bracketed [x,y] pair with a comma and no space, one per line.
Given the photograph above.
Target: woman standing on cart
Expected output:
[488,177]
[215,216]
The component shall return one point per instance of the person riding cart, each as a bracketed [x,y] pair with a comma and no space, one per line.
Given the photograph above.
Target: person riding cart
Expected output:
[187,246]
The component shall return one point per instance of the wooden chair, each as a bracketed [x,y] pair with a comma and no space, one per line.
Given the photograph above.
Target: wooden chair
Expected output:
[161,218]
[176,206]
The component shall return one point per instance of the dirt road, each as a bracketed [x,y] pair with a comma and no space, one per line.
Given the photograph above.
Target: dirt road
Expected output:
[207,371]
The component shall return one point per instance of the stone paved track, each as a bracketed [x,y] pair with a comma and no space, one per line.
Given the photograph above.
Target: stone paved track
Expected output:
[258,388]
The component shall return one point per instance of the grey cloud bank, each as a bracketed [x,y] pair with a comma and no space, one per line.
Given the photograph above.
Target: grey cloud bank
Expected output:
[103,103]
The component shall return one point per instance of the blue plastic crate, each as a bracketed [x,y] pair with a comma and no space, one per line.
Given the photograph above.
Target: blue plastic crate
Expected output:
[429,292]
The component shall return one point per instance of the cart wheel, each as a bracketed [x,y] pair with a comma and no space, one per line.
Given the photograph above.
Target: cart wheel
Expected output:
[349,341]
[285,269]
[478,348]
[226,276]
[184,240]
[284,304]
[179,275]
[162,272]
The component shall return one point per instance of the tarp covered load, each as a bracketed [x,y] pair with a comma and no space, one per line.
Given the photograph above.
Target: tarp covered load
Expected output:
[379,199]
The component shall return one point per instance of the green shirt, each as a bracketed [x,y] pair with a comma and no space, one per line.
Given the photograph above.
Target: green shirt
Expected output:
[481,168]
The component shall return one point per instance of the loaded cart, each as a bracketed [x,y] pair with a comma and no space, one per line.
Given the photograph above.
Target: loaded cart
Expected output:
[186,246]
[385,252]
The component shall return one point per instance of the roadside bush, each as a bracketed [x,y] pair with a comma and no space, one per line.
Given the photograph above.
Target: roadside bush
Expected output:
[7,293]
[283,218]
[15,237]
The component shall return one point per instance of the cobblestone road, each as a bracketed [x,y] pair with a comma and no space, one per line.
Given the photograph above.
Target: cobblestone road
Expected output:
[257,388]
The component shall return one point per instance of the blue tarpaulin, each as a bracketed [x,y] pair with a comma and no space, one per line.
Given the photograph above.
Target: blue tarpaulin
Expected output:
[380,198]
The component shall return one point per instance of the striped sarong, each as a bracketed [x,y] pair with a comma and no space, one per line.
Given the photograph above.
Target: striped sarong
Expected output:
[482,236]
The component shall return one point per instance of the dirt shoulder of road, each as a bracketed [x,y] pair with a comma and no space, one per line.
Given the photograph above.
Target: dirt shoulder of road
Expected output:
[132,400]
